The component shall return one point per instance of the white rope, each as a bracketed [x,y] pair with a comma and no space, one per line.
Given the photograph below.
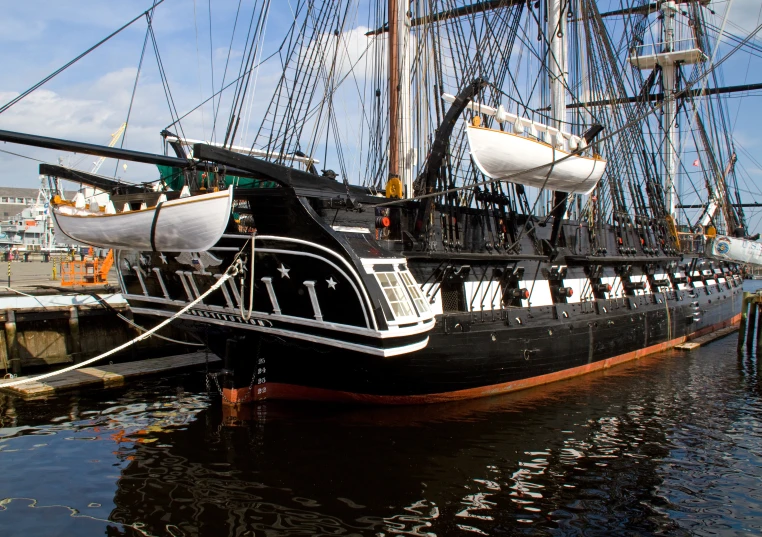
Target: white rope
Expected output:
[231,272]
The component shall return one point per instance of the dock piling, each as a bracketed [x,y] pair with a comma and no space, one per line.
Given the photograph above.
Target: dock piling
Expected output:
[76,342]
[742,326]
[10,341]
[752,322]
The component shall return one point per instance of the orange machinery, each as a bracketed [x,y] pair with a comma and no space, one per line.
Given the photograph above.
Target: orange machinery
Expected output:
[90,271]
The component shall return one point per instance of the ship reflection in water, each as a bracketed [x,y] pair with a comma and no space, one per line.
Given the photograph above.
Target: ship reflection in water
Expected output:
[667,445]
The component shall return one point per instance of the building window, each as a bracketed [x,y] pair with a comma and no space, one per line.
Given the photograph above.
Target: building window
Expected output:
[5,200]
[19,200]
[29,200]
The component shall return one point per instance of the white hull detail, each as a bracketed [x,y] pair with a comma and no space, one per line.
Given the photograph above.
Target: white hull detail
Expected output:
[503,155]
[190,224]
[737,250]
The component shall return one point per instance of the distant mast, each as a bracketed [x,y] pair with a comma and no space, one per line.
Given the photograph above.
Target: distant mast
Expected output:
[400,135]
[667,58]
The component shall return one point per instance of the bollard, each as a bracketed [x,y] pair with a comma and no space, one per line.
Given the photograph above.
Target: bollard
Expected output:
[742,325]
[9,273]
[752,322]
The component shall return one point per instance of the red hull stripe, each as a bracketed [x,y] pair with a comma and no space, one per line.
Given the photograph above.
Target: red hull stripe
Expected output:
[289,391]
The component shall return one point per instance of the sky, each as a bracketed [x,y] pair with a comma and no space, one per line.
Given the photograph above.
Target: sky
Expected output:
[90,100]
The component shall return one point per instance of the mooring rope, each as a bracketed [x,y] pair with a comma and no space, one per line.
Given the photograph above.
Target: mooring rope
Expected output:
[231,272]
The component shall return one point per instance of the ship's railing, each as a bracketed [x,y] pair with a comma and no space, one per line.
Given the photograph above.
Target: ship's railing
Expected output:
[650,49]
[692,243]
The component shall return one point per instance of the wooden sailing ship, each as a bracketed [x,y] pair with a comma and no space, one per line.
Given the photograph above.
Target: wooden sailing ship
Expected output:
[484,250]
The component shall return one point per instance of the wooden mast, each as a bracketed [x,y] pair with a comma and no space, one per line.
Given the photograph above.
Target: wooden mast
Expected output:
[394,89]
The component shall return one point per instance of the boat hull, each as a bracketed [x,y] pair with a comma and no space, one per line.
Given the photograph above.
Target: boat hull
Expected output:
[735,250]
[189,224]
[478,358]
[503,155]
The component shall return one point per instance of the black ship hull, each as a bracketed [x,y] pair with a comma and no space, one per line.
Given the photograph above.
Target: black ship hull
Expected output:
[472,356]
[323,322]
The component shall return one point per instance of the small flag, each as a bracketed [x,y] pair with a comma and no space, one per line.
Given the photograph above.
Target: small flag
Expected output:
[696,163]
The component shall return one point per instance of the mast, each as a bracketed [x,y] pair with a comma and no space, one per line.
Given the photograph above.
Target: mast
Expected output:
[557,61]
[400,153]
[558,73]
[668,10]
[669,55]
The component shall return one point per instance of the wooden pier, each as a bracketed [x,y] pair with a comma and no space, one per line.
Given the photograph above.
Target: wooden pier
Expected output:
[106,376]
[694,344]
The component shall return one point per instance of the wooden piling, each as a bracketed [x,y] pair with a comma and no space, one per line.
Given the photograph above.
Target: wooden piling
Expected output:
[10,341]
[76,342]
[752,322]
[742,326]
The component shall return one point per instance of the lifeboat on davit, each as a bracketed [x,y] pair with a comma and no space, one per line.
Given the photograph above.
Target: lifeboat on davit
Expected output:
[532,153]
[186,224]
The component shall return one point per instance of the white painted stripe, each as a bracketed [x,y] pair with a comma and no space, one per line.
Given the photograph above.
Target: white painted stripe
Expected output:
[419,328]
[386,353]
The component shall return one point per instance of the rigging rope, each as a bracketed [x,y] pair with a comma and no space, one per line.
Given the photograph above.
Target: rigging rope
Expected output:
[16,99]
[231,272]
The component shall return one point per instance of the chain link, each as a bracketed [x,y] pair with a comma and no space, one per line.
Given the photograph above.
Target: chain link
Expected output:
[216,374]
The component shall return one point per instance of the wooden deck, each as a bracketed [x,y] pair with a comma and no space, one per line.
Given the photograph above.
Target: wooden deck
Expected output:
[703,340]
[106,376]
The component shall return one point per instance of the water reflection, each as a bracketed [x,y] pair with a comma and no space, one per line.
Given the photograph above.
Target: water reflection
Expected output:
[668,445]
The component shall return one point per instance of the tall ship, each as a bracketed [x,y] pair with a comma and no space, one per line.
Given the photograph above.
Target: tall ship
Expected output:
[480,197]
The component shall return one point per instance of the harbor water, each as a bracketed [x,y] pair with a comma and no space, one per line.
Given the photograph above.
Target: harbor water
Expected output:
[667,445]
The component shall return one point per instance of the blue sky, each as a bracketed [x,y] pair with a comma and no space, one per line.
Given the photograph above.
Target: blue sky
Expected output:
[90,100]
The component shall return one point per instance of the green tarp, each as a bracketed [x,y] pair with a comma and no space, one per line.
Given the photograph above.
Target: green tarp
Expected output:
[173,178]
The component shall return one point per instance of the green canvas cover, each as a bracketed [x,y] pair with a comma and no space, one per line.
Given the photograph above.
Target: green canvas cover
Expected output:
[173,178]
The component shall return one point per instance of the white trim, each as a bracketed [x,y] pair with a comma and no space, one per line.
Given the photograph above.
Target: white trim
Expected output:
[157,271]
[185,285]
[307,254]
[385,353]
[225,293]
[139,272]
[350,268]
[396,332]
[271,292]
[310,285]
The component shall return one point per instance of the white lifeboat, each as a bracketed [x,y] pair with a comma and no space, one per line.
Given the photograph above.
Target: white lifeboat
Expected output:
[186,224]
[508,156]
[734,249]
[512,157]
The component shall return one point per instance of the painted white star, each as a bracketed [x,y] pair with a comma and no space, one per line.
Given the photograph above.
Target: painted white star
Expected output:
[163,258]
[331,283]
[284,271]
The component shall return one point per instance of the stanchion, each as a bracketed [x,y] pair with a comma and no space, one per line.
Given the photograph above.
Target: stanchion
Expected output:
[9,273]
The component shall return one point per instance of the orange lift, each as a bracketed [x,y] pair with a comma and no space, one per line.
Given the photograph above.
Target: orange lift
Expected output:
[90,271]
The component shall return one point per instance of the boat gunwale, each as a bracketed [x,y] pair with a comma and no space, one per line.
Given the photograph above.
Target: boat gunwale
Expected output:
[595,158]
[171,203]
